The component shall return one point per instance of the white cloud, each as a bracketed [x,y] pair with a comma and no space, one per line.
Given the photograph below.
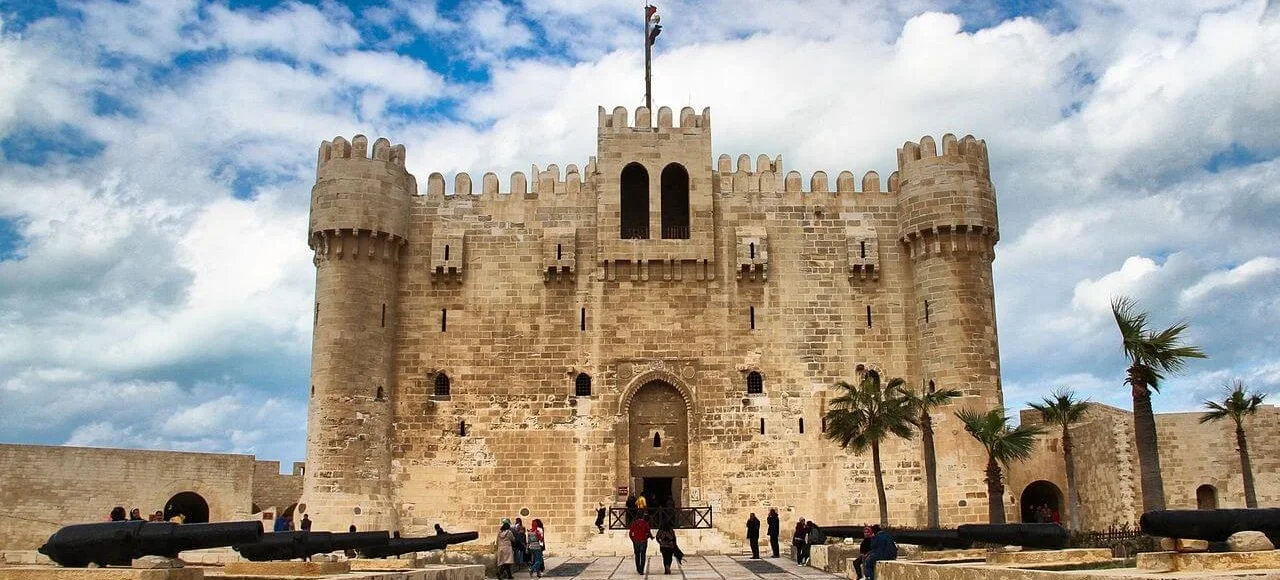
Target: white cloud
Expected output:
[1260,267]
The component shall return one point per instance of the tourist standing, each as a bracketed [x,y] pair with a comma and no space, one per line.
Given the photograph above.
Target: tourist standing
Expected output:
[518,543]
[667,545]
[882,548]
[798,541]
[306,523]
[774,529]
[535,542]
[753,535]
[600,517]
[642,505]
[639,534]
[631,508]
[117,514]
[505,557]
[282,524]
[135,515]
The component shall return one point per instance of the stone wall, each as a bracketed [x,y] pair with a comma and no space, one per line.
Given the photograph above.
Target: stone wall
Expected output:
[43,488]
[271,489]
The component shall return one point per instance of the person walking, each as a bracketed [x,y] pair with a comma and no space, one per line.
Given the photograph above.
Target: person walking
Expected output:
[518,547]
[600,517]
[506,556]
[535,542]
[640,535]
[774,528]
[799,538]
[882,548]
[753,535]
[667,545]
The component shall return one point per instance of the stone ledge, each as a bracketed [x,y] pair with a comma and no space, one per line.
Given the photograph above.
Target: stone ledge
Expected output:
[1208,562]
[386,563]
[1038,557]
[285,568]
[59,573]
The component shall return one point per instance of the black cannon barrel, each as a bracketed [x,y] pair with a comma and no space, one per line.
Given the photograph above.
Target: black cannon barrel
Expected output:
[398,546]
[118,543]
[290,545]
[1212,525]
[842,531]
[1051,536]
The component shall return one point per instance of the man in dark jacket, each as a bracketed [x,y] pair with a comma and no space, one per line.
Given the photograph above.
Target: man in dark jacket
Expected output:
[882,548]
[753,536]
[774,530]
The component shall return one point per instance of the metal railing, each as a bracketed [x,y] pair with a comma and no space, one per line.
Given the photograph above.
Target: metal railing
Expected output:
[635,232]
[675,232]
[687,518]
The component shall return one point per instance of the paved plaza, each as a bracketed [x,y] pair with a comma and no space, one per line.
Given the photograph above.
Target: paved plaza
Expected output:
[712,567]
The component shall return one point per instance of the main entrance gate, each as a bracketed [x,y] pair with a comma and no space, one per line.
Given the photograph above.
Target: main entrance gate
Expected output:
[658,457]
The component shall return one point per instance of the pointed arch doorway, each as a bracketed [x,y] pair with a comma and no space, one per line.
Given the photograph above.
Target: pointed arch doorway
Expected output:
[658,443]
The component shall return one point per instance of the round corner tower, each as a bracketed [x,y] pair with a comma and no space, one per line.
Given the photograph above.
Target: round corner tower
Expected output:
[360,208]
[948,227]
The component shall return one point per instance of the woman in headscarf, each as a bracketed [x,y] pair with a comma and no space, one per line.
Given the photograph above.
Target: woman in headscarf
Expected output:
[506,557]
[535,542]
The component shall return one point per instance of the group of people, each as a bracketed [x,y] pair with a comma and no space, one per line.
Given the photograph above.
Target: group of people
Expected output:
[877,545]
[134,515]
[285,523]
[773,529]
[1043,514]
[518,545]
[640,532]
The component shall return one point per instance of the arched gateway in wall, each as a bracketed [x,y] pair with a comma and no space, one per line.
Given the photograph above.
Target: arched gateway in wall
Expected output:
[657,410]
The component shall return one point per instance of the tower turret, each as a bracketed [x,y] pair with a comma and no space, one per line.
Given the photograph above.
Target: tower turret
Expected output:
[359,223]
[947,224]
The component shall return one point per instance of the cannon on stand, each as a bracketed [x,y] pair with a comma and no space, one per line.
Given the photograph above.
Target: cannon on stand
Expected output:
[1212,525]
[1045,536]
[398,546]
[291,545]
[931,538]
[119,543]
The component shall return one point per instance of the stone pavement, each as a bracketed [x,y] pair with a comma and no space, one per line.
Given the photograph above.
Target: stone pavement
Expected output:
[709,567]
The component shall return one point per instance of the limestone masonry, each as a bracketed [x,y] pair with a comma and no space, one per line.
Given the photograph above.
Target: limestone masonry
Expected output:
[655,320]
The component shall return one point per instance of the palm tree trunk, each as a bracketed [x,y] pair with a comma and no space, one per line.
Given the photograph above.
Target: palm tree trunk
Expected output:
[995,492]
[930,470]
[1144,428]
[1246,468]
[1073,495]
[880,497]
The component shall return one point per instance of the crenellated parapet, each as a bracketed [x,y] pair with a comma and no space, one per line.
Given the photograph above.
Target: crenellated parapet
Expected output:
[946,203]
[619,122]
[519,185]
[360,202]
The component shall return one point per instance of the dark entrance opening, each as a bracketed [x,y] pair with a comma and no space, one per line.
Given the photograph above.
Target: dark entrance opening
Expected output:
[675,202]
[634,202]
[658,490]
[1041,503]
[190,505]
[1206,497]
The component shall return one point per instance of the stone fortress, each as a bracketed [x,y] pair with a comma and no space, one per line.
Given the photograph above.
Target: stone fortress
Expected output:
[649,322]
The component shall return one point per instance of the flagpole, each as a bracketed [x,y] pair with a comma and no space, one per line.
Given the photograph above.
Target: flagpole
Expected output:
[648,70]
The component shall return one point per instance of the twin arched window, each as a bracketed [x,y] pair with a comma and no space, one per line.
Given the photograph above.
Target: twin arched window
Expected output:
[634,202]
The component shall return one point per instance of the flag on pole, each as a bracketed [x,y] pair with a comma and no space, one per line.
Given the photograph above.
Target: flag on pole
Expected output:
[651,16]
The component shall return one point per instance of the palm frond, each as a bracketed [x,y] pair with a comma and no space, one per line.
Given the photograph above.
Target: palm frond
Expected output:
[1062,407]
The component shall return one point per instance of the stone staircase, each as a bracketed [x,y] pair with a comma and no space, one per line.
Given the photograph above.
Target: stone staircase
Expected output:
[616,543]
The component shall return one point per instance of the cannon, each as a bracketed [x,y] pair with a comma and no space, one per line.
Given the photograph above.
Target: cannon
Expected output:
[118,543]
[398,546]
[932,538]
[290,545]
[1051,536]
[1212,525]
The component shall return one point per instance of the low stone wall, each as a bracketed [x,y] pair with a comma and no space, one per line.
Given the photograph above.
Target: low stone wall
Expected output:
[1049,557]
[1208,562]
[832,557]
[56,573]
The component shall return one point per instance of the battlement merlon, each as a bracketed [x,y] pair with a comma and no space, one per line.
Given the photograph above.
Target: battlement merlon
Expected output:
[357,193]
[690,121]
[949,194]
[544,182]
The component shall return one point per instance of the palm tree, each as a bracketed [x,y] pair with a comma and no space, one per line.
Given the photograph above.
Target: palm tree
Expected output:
[1238,404]
[1150,354]
[1064,409]
[867,414]
[1004,444]
[929,399]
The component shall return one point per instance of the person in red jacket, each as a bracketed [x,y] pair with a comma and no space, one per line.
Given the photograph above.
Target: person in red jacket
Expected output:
[640,535]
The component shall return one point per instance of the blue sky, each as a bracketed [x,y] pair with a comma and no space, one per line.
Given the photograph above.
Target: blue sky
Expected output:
[155,159]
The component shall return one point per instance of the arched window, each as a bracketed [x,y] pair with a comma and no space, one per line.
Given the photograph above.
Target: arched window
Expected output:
[1206,497]
[442,385]
[675,202]
[380,395]
[582,385]
[755,383]
[657,439]
[635,202]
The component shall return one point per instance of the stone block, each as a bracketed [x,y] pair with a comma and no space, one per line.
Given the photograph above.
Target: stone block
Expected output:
[832,557]
[1037,557]
[1249,542]
[58,573]
[386,563]
[157,562]
[285,568]
[1206,562]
